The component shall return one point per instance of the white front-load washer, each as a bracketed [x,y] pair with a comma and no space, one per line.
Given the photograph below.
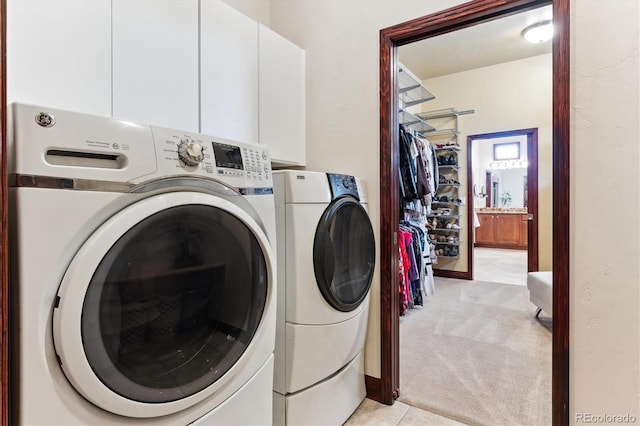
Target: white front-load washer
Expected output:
[326,259]
[142,274]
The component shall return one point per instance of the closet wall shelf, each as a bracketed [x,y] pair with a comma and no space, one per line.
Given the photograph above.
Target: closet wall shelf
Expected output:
[414,95]
[445,132]
[413,122]
[444,113]
[446,203]
[448,151]
[447,148]
[443,216]
[410,90]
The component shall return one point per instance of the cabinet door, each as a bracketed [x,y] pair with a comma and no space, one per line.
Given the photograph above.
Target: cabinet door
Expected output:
[485,233]
[155,62]
[508,230]
[282,98]
[59,54]
[228,72]
[524,231]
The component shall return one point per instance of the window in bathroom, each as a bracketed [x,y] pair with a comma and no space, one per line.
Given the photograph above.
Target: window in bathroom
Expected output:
[506,151]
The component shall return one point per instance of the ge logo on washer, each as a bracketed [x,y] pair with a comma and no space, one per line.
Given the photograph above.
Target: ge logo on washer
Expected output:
[45,120]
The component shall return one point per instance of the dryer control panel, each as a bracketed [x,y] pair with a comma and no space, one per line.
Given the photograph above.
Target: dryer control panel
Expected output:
[343,185]
[236,164]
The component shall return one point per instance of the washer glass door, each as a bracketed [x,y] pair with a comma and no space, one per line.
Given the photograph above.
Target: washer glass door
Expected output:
[171,305]
[344,254]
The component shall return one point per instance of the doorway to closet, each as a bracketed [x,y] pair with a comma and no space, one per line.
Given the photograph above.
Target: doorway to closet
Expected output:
[453,19]
[470,335]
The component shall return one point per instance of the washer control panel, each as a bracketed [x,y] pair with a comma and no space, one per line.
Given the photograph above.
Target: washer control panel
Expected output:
[343,185]
[238,164]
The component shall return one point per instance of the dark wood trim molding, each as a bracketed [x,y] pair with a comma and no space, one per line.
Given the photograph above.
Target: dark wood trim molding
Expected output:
[4,259]
[461,275]
[487,191]
[532,183]
[389,185]
[532,203]
[442,22]
[374,386]
[561,218]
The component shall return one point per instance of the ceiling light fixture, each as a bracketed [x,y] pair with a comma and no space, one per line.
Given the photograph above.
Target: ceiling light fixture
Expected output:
[538,32]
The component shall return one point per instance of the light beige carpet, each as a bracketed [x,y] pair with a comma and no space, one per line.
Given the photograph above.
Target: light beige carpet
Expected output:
[476,354]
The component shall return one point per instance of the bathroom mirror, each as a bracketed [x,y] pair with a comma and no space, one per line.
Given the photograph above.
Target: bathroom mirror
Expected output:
[501,182]
[508,188]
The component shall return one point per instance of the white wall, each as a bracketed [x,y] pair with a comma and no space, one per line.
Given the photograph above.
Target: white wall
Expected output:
[341,42]
[605,159]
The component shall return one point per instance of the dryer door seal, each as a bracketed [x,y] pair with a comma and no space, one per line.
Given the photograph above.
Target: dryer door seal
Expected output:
[344,254]
[159,307]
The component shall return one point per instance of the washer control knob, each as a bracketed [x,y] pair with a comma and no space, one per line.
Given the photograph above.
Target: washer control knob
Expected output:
[190,152]
[266,168]
[346,182]
[264,155]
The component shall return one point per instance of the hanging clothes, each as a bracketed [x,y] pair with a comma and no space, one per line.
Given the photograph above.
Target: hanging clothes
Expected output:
[407,170]
[422,177]
[431,163]
[418,177]
[404,242]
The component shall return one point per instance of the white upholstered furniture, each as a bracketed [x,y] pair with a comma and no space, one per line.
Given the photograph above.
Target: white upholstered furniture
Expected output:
[540,285]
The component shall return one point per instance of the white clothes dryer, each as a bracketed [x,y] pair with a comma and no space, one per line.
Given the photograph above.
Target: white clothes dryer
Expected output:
[326,259]
[142,274]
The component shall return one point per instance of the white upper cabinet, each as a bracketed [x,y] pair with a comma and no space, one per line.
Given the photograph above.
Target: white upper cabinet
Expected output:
[282,98]
[193,65]
[155,62]
[228,73]
[59,54]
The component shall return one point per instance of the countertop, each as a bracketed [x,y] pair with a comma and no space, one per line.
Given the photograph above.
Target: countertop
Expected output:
[497,210]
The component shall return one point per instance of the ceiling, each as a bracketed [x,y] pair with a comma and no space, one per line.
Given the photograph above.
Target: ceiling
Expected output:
[479,46]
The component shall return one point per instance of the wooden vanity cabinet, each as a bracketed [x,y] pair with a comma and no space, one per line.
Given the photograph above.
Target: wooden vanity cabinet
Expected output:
[502,230]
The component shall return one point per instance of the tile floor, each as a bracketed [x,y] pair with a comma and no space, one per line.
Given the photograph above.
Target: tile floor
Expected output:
[399,414]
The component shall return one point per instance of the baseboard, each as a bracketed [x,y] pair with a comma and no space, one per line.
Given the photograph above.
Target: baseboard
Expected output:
[374,388]
[501,246]
[461,275]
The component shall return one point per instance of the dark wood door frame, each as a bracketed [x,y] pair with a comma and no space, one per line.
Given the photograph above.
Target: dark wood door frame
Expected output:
[4,259]
[532,185]
[387,388]
[487,192]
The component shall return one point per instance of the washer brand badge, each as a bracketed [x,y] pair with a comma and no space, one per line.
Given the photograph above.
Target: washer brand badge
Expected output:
[45,120]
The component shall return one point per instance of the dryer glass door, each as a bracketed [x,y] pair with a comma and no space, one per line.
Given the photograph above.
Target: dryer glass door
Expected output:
[161,301]
[344,254]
